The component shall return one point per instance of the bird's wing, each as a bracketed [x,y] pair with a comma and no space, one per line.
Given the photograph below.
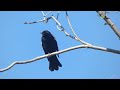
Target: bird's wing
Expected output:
[45,50]
[44,46]
[56,46]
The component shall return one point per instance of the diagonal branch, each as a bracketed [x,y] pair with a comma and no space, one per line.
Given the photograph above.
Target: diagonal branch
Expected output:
[66,33]
[83,42]
[62,28]
[59,52]
[109,22]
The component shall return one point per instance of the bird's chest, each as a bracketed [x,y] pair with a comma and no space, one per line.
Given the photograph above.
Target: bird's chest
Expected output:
[49,44]
[48,41]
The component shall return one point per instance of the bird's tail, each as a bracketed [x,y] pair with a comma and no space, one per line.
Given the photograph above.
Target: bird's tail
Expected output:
[54,63]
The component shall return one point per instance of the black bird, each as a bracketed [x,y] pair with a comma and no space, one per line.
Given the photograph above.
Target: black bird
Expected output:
[49,45]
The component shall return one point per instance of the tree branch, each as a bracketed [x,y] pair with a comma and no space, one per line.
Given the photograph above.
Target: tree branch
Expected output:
[66,33]
[44,15]
[109,22]
[83,42]
[104,49]
[59,52]
[60,25]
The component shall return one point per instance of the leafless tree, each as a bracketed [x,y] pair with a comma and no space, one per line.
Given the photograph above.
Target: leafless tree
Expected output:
[60,27]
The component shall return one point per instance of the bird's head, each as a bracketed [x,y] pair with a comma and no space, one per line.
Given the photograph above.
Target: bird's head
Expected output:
[45,32]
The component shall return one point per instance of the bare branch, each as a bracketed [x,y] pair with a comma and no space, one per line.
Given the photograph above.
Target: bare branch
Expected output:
[58,14]
[83,42]
[110,23]
[62,29]
[43,13]
[59,52]
[58,25]
[34,22]
[41,57]
[104,49]
[43,20]
[48,13]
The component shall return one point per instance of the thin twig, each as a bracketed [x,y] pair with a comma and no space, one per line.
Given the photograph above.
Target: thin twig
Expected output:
[48,13]
[62,29]
[58,14]
[43,20]
[43,13]
[34,22]
[83,42]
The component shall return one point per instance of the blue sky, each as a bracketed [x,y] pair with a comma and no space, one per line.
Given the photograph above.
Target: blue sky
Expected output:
[21,41]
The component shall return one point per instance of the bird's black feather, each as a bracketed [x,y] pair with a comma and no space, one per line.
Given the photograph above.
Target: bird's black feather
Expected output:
[49,45]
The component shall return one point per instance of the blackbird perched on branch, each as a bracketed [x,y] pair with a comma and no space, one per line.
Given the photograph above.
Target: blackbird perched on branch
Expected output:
[49,45]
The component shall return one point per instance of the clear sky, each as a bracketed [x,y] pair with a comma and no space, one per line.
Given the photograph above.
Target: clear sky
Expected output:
[21,41]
